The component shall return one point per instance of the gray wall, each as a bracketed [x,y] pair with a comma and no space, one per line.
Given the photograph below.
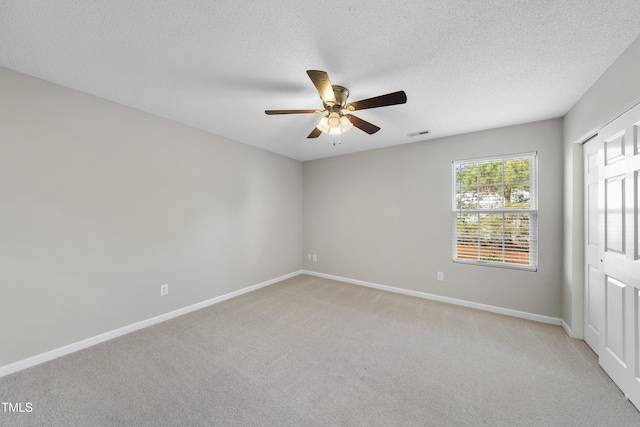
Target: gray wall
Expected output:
[384,216]
[101,204]
[616,90]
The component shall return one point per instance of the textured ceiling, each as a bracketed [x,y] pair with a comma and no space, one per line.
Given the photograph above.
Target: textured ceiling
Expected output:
[217,65]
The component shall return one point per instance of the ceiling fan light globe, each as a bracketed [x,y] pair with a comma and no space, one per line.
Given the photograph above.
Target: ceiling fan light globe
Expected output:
[345,124]
[324,124]
[334,120]
[335,131]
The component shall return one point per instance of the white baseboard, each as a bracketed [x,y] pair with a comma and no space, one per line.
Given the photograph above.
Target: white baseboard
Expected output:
[566,328]
[71,348]
[470,304]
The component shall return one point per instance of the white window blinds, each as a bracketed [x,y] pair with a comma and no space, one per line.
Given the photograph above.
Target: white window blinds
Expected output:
[495,211]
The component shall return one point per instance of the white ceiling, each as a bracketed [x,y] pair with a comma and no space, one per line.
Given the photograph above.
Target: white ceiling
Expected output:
[217,65]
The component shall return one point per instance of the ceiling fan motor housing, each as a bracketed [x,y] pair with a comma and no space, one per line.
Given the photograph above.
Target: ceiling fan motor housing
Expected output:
[341,93]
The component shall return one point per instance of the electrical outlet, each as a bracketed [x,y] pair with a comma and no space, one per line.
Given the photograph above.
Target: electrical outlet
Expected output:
[440,276]
[164,290]
[315,258]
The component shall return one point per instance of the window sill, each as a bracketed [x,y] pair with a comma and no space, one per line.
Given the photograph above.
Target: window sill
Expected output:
[497,265]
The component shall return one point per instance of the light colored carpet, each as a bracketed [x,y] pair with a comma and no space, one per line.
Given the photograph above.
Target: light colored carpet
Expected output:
[315,352]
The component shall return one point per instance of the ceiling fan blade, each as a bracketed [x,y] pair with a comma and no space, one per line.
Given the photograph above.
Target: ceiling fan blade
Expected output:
[379,101]
[314,133]
[362,124]
[272,112]
[322,83]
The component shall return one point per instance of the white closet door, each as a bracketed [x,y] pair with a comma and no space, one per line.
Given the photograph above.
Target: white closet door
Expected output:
[594,285]
[618,188]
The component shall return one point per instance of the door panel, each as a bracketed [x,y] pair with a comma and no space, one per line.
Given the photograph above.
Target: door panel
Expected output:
[594,283]
[619,264]
[593,312]
[614,148]
[615,340]
[592,215]
[636,338]
[636,208]
[614,215]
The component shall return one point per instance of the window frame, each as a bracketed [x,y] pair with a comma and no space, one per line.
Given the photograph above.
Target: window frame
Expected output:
[531,211]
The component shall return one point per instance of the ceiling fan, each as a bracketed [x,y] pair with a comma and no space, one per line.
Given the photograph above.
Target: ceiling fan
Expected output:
[334,101]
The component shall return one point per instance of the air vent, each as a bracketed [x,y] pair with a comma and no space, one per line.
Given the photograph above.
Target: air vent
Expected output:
[421,132]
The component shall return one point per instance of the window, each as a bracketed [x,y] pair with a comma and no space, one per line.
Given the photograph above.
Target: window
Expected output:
[495,211]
